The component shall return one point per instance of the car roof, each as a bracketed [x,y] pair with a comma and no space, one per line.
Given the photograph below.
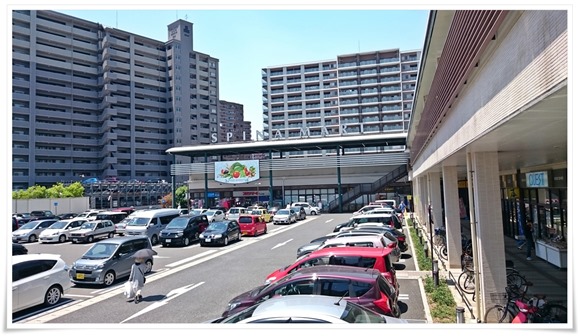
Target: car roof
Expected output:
[33,256]
[335,270]
[352,251]
[354,239]
[301,305]
[120,240]
[249,215]
[374,215]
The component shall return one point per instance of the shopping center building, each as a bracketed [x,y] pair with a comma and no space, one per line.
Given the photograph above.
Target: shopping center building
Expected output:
[491,109]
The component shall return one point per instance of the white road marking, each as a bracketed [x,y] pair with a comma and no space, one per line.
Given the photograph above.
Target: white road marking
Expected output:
[170,296]
[403,296]
[330,220]
[282,244]
[77,295]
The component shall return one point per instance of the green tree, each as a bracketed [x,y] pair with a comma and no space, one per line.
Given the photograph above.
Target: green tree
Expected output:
[56,191]
[181,196]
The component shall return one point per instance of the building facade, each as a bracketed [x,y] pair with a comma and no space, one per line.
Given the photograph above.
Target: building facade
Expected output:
[231,121]
[363,93]
[94,101]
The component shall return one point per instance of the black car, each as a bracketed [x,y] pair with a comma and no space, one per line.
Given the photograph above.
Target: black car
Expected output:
[220,233]
[68,215]
[18,249]
[183,230]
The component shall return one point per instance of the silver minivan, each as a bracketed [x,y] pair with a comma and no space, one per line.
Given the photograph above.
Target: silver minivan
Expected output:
[150,223]
[109,260]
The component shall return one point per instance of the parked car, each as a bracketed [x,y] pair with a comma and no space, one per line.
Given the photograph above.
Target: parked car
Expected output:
[150,223]
[285,216]
[387,219]
[89,215]
[262,213]
[365,287]
[89,231]
[215,215]
[272,211]
[60,231]
[220,233]
[183,230]
[18,249]
[252,225]
[67,215]
[365,257]
[307,309]
[113,216]
[313,245]
[41,214]
[109,260]
[300,212]
[197,211]
[234,213]
[365,209]
[308,208]
[121,227]
[365,239]
[401,237]
[38,279]
[30,231]
[90,180]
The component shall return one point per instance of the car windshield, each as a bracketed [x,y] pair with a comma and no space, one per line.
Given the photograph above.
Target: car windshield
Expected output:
[244,314]
[58,225]
[210,212]
[283,212]
[100,251]
[296,209]
[178,223]
[37,213]
[256,212]
[29,225]
[88,225]
[218,226]
[234,211]
[196,211]
[139,221]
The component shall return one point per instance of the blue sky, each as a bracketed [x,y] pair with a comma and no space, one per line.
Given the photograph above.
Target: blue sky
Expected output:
[245,41]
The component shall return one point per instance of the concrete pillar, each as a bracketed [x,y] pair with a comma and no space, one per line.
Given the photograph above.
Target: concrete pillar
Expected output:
[435,199]
[452,220]
[424,199]
[488,225]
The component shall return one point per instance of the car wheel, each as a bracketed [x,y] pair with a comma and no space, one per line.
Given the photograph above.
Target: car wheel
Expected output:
[185,241]
[256,233]
[313,213]
[90,239]
[109,278]
[202,245]
[154,240]
[226,241]
[196,237]
[148,266]
[111,234]
[238,237]
[62,239]
[52,296]
[32,239]
[265,229]
[164,245]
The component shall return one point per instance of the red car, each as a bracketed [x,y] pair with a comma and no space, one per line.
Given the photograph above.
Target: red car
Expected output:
[366,287]
[252,225]
[365,257]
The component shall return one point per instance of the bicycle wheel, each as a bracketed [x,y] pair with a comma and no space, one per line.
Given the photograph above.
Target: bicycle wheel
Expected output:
[438,240]
[467,282]
[498,314]
[553,313]
[517,284]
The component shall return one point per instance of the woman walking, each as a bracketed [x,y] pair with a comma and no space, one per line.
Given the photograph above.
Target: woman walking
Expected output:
[137,277]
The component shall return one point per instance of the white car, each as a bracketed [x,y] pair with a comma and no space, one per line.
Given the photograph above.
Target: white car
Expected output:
[235,212]
[214,215]
[30,231]
[60,231]
[310,209]
[38,279]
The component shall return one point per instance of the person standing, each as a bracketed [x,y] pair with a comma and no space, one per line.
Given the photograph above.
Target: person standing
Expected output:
[529,234]
[138,276]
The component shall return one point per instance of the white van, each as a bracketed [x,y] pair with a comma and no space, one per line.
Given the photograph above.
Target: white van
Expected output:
[391,203]
[150,223]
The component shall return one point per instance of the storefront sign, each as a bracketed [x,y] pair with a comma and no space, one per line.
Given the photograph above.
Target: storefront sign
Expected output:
[537,179]
[237,171]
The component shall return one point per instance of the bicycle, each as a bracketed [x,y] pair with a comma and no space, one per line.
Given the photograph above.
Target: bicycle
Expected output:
[518,309]
[466,280]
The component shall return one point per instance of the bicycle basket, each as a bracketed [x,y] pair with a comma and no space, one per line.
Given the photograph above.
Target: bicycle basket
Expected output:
[498,297]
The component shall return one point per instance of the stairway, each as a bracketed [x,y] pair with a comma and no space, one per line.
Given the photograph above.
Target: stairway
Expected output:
[368,188]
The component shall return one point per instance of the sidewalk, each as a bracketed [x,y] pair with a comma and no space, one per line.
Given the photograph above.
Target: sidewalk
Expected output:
[546,278]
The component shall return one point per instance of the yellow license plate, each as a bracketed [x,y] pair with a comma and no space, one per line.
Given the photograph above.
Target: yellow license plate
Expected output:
[80,276]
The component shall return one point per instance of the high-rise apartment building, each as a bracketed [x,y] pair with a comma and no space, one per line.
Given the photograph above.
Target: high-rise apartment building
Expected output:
[361,93]
[231,121]
[95,101]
